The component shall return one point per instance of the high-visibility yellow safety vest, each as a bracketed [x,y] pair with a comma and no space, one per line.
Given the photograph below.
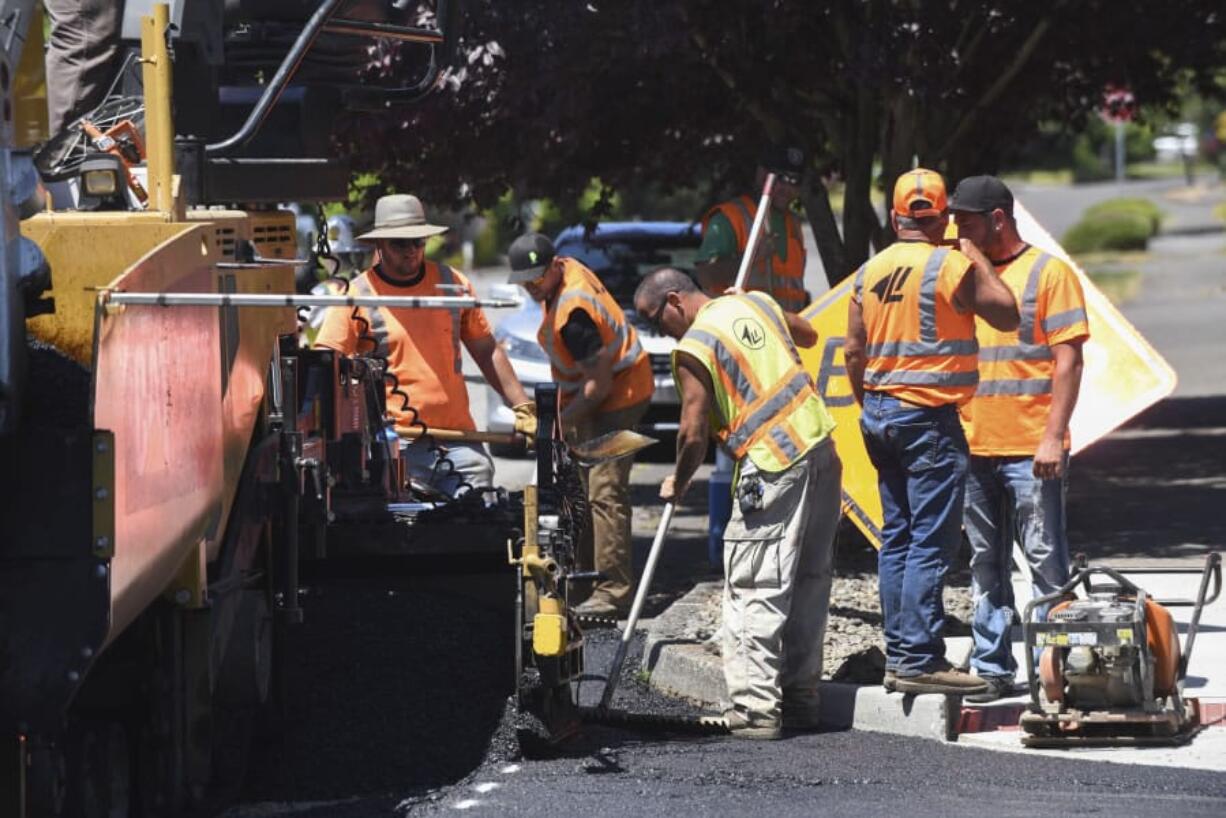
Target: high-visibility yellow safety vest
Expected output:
[581,289]
[765,405]
[781,276]
[920,348]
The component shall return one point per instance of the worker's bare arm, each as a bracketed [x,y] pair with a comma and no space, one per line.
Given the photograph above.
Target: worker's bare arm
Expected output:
[492,360]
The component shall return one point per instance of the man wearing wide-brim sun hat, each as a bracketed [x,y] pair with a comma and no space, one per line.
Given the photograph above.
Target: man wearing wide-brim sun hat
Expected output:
[422,347]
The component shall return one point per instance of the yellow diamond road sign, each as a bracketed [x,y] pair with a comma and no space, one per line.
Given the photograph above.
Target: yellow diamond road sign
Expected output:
[1122,375]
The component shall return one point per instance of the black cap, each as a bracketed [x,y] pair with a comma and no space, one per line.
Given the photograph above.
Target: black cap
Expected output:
[784,160]
[529,254]
[981,194]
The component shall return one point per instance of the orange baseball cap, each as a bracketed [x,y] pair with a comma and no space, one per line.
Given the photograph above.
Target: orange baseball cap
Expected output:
[919,193]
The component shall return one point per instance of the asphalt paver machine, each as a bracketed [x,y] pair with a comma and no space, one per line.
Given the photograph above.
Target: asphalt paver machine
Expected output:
[1110,668]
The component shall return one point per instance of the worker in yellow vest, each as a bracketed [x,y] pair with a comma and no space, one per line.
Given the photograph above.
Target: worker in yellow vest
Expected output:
[1017,425]
[604,384]
[911,359]
[741,379]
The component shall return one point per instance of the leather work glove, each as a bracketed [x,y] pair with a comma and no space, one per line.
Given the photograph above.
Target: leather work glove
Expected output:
[525,419]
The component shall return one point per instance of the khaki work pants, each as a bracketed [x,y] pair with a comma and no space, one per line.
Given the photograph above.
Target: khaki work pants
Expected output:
[607,545]
[778,568]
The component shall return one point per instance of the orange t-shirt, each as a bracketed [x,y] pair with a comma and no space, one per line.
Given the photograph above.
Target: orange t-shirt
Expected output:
[422,346]
[1009,412]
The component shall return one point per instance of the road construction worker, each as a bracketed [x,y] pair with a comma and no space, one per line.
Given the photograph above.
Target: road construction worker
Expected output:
[422,349]
[911,359]
[740,378]
[605,383]
[1017,425]
[779,265]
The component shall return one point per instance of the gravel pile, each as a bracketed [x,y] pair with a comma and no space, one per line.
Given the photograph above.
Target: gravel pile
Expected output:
[855,618]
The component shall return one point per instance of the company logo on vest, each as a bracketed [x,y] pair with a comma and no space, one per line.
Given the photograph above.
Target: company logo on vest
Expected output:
[749,332]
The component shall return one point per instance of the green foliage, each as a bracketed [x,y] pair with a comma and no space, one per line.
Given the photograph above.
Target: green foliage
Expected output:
[1111,231]
[1128,206]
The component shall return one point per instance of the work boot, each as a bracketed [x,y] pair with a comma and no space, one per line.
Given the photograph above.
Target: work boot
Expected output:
[890,681]
[801,718]
[941,678]
[748,728]
[999,687]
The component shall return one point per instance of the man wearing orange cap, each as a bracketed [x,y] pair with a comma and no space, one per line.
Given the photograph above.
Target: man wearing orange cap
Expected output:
[912,360]
[1017,425]
[422,349]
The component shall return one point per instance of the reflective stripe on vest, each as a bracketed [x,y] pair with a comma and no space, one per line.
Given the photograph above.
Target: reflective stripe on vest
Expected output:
[765,406]
[929,344]
[615,343]
[1026,349]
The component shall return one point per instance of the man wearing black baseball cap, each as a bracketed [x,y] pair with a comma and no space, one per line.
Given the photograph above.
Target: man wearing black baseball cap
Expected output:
[1017,425]
[604,384]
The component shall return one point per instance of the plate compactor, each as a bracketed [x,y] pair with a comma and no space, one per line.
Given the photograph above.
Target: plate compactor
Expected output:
[1111,668]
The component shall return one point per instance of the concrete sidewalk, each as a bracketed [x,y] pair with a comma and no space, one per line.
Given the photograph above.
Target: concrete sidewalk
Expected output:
[681,666]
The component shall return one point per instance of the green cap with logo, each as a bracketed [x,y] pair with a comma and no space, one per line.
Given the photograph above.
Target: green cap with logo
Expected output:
[530,255]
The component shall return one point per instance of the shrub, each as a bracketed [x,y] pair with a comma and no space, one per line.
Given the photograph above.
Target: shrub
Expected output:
[1111,231]
[1129,206]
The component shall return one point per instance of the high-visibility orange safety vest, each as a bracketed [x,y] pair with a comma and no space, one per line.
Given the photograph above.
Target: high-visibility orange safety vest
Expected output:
[581,289]
[421,346]
[765,406]
[920,348]
[783,278]
[1009,412]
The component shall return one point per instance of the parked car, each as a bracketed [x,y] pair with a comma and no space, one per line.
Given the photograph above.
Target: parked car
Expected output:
[620,253]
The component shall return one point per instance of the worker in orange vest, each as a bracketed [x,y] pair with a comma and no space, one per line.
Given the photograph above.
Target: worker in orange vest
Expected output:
[422,349]
[1017,425]
[779,265]
[605,384]
[912,360]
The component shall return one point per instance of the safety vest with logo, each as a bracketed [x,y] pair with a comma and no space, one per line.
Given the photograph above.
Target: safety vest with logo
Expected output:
[421,346]
[765,406]
[920,348]
[582,290]
[781,276]
[1009,412]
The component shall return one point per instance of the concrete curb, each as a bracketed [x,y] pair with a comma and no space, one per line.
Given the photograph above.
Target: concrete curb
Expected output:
[678,665]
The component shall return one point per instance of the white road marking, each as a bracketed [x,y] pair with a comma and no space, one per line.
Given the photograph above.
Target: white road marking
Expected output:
[487,786]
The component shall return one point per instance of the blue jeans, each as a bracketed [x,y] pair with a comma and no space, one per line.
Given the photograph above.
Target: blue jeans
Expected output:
[1004,501]
[921,459]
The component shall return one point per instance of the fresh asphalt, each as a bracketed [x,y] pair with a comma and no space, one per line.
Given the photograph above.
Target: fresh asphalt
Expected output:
[396,696]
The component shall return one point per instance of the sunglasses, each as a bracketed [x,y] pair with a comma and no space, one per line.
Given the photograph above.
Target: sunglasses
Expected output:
[406,244]
[654,320]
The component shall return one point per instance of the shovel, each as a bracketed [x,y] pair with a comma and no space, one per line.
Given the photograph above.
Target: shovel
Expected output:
[640,597]
[609,446]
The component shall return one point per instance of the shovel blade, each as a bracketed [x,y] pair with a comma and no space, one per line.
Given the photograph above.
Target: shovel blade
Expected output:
[610,446]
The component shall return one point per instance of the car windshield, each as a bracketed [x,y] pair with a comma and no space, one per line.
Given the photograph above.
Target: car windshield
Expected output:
[622,260]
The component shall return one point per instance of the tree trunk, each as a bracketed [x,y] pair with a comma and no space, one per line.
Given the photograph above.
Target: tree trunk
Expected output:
[860,146]
[816,199]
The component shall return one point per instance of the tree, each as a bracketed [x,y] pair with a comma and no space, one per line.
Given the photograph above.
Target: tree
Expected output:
[670,92]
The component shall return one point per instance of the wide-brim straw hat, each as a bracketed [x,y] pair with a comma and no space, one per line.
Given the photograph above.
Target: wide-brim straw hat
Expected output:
[401,216]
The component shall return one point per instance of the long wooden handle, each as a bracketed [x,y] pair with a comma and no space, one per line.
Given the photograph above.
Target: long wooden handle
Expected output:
[461,436]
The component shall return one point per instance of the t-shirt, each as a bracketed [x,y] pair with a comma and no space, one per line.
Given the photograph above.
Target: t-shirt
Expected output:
[422,345]
[581,335]
[719,239]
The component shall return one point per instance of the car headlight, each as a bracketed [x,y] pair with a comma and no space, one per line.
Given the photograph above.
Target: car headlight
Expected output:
[523,349]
